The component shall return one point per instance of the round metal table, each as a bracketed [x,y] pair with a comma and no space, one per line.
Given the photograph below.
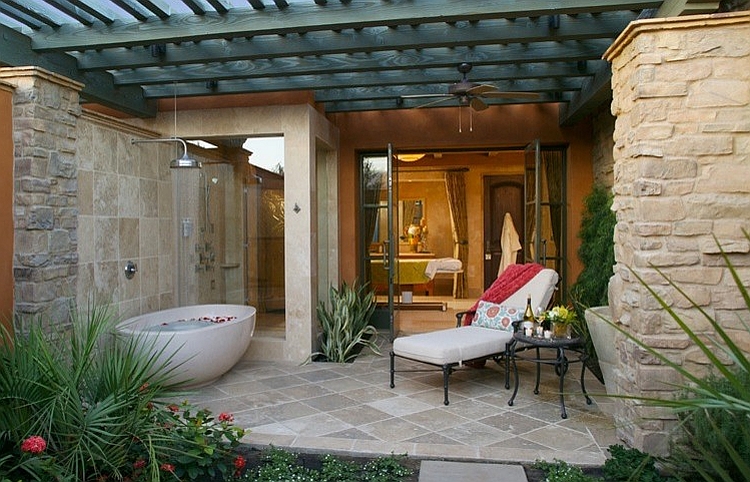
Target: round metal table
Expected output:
[522,343]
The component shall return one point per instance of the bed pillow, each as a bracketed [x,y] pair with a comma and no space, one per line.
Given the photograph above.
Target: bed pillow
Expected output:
[497,317]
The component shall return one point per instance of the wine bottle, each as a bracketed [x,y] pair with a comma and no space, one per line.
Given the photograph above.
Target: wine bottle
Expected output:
[528,318]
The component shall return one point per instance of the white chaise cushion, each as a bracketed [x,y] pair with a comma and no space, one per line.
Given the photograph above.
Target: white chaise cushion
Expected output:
[453,345]
[541,288]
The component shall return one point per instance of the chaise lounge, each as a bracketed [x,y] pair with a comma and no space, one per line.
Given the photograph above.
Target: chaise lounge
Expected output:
[486,330]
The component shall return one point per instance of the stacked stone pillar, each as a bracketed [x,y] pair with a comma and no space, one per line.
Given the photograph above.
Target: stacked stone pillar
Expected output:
[45,113]
[681,97]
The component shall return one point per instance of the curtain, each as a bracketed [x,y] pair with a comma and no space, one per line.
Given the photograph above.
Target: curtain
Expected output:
[553,167]
[372,192]
[455,187]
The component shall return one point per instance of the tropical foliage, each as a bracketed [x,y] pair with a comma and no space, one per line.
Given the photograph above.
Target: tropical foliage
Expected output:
[79,404]
[345,323]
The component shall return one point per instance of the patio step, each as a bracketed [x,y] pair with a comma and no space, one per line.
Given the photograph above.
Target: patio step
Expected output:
[442,471]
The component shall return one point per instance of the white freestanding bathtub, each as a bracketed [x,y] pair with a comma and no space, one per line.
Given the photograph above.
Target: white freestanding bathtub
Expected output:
[205,341]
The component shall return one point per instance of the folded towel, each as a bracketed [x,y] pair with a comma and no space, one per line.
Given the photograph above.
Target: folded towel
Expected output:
[442,264]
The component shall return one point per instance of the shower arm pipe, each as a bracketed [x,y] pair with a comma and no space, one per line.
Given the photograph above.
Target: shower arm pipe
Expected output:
[164,139]
[184,161]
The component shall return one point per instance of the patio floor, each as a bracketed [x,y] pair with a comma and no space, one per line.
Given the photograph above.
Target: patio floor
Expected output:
[350,409]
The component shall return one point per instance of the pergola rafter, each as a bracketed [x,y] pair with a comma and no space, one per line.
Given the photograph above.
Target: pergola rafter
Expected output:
[351,54]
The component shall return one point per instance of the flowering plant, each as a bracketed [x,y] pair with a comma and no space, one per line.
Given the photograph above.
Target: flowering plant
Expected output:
[201,444]
[561,314]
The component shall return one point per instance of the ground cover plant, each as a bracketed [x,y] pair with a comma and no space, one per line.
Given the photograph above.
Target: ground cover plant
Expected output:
[280,465]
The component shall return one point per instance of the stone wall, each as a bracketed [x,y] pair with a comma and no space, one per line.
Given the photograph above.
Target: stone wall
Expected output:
[602,160]
[45,266]
[125,214]
[681,90]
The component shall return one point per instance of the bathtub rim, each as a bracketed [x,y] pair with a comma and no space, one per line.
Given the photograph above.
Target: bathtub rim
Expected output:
[128,325]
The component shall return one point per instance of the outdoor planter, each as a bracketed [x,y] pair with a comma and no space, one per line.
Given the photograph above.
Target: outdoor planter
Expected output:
[602,332]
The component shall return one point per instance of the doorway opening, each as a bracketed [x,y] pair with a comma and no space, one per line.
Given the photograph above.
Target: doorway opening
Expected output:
[496,183]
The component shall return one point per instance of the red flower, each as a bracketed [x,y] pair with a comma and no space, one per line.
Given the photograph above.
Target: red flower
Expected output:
[34,445]
[173,408]
[167,467]
[139,464]
[226,417]
[239,465]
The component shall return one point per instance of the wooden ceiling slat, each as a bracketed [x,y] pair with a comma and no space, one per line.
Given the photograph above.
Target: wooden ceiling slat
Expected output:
[309,18]
[130,8]
[158,8]
[607,25]
[440,61]
[21,17]
[27,14]
[103,14]
[72,11]
[221,6]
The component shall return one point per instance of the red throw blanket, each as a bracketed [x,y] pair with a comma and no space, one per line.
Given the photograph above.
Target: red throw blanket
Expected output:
[510,281]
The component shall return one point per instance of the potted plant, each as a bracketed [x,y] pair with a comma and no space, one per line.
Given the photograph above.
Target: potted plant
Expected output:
[561,320]
[345,323]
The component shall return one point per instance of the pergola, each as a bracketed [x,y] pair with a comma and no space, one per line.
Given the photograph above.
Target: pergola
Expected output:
[351,55]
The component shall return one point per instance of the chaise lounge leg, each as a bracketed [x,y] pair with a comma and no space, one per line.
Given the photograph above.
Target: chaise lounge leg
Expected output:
[393,369]
[446,374]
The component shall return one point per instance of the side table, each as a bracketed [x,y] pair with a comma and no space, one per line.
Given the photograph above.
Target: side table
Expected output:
[575,346]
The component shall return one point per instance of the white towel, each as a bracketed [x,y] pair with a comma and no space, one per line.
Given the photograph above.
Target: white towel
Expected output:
[442,264]
[509,244]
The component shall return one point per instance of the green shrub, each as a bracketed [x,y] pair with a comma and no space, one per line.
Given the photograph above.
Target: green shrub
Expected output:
[725,432]
[345,323]
[279,465]
[630,465]
[561,471]
[597,254]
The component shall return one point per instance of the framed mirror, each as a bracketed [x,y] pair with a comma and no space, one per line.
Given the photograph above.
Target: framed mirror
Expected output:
[411,214]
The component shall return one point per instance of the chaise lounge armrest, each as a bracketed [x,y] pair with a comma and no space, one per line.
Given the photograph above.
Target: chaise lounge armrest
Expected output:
[461,314]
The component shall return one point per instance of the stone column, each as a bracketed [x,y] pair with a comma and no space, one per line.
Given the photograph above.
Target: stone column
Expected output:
[681,96]
[45,114]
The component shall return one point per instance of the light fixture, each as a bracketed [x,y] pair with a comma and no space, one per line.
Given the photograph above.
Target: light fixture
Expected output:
[184,161]
[410,157]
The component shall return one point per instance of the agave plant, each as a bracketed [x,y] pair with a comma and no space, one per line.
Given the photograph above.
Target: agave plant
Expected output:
[713,438]
[345,322]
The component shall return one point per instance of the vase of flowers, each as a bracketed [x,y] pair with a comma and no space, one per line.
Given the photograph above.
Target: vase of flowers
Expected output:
[562,320]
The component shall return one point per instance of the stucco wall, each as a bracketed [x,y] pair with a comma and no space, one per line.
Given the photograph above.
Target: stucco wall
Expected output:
[682,177]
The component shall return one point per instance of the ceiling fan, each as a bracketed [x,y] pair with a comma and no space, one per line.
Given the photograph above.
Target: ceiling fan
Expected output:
[469,93]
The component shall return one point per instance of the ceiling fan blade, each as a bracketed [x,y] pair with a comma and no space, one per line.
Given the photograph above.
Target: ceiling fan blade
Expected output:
[511,95]
[481,89]
[435,102]
[477,104]
[423,96]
